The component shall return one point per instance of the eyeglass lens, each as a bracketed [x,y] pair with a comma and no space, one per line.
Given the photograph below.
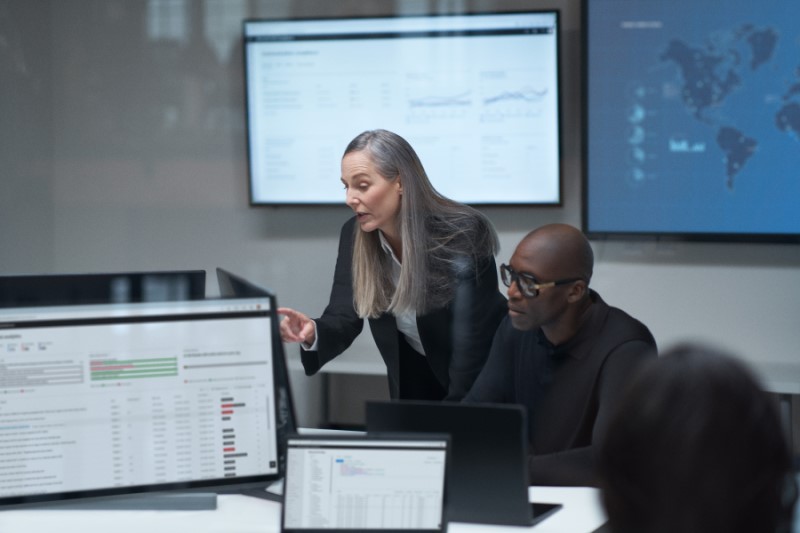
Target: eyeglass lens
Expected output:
[525,284]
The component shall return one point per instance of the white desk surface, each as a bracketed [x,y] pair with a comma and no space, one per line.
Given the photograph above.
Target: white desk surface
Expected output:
[582,513]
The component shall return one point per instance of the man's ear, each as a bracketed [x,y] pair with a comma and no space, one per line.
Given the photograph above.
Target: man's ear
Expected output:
[577,291]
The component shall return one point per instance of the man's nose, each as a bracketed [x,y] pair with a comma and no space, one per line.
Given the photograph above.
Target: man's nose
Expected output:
[513,290]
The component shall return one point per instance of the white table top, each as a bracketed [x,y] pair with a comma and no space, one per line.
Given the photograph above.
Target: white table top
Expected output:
[582,513]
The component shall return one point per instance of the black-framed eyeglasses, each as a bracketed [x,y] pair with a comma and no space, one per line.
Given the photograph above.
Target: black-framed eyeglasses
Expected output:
[528,285]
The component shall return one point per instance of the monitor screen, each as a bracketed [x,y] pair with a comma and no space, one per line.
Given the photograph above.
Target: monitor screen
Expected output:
[367,483]
[693,111]
[477,96]
[102,400]
[21,290]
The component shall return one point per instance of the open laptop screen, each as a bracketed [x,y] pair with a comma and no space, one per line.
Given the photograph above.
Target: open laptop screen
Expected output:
[102,400]
[365,484]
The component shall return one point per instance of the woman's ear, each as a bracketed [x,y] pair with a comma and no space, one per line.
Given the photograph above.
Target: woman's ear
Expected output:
[399,186]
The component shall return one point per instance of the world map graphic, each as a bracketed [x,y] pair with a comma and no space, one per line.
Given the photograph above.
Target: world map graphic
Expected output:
[723,64]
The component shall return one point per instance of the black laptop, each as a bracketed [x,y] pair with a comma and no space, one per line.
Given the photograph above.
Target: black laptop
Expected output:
[488,481]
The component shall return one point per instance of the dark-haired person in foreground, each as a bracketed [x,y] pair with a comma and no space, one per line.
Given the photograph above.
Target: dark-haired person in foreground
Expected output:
[696,446]
[420,267]
[561,352]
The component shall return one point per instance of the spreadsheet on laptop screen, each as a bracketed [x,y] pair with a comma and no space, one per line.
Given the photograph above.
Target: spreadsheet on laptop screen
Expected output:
[365,484]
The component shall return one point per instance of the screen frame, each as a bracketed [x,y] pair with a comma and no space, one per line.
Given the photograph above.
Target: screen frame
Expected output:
[218,484]
[668,236]
[559,122]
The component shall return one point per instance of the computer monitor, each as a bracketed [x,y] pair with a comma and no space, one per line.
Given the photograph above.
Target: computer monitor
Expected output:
[121,399]
[20,290]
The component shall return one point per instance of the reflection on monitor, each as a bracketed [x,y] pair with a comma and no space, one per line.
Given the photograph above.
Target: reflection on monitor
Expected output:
[104,287]
[693,110]
[476,95]
[103,400]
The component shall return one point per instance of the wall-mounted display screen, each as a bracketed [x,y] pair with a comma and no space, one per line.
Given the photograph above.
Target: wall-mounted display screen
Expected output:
[693,118]
[477,96]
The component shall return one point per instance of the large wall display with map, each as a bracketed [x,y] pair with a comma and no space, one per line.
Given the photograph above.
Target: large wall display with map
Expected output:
[692,112]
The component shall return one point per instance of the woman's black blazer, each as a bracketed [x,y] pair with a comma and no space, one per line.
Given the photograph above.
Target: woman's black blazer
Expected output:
[456,337]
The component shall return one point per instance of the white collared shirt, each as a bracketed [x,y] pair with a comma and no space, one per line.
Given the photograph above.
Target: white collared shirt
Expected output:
[406,322]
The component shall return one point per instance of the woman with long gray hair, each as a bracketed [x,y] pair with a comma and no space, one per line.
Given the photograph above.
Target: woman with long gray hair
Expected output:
[420,267]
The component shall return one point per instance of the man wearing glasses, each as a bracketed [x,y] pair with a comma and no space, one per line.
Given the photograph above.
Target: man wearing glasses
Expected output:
[561,351]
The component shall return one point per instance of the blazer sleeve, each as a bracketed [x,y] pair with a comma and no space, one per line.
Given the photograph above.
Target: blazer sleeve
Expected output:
[478,307]
[339,324]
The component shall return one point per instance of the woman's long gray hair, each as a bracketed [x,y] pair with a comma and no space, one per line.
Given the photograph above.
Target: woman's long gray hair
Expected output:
[441,239]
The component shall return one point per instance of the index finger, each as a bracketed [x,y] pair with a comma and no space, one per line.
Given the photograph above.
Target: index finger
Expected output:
[288,312]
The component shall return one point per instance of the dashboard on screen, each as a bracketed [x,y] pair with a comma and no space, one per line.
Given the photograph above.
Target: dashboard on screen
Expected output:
[102,400]
[693,119]
[477,96]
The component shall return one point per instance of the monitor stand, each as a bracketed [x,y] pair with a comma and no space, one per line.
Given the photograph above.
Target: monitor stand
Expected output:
[180,501]
[272,492]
